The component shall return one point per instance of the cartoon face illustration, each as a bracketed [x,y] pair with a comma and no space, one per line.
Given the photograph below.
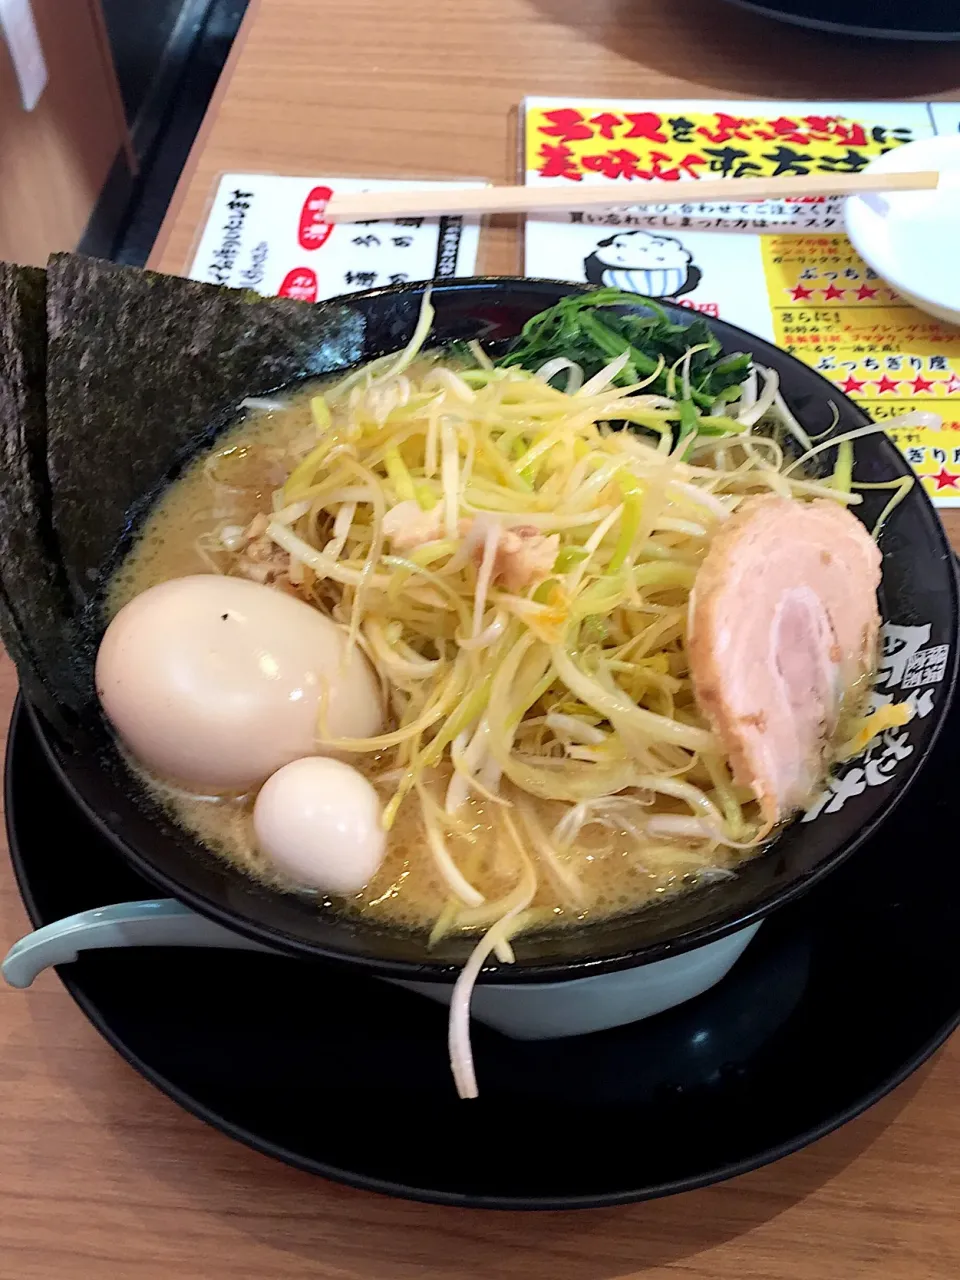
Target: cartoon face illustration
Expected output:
[643,262]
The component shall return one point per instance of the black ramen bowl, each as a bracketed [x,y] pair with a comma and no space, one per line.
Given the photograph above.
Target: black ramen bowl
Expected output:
[918,605]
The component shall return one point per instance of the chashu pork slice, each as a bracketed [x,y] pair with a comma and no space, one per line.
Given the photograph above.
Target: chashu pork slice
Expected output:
[783,623]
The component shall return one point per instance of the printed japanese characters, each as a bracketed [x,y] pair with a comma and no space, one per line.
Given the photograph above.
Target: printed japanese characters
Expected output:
[270,233]
[575,140]
[907,661]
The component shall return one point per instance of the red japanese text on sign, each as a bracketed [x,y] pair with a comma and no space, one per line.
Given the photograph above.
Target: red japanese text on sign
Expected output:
[568,142]
[300,283]
[313,231]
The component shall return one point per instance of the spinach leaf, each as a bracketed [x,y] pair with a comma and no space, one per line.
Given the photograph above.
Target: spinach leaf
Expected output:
[593,329]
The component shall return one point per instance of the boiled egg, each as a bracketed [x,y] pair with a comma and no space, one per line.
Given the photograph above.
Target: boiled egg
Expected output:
[214,683]
[319,822]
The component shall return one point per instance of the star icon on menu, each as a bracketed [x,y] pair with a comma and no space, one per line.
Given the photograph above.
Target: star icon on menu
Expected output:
[851,386]
[865,292]
[886,384]
[833,292]
[920,384]
[945,479]
[800,294]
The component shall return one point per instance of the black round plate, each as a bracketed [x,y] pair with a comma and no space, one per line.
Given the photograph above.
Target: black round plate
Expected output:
[883,19]
[838,999]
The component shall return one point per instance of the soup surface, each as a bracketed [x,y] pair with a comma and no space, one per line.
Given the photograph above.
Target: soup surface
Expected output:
[227,489]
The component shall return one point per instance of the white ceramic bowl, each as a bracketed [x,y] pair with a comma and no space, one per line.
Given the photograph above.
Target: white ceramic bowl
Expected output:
[912,238]
[552,1010]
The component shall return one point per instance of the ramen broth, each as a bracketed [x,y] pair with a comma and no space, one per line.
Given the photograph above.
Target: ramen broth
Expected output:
[227,488]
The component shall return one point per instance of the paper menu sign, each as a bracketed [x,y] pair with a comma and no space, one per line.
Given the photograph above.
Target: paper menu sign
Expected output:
[783,271]
[268,233]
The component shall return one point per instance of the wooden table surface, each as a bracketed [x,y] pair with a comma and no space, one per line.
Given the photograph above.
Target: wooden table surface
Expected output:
[102,1178]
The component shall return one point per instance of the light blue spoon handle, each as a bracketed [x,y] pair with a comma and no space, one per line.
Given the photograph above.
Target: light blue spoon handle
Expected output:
[156,922]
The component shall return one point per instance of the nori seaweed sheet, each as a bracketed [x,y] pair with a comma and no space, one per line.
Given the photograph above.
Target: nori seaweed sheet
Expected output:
[142,369]
[110,379]
[35,614]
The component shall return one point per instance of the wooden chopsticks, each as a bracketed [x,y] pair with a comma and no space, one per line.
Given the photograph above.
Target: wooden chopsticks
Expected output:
[363,206]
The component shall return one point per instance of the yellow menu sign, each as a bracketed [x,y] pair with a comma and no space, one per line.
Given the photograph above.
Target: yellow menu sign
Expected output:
[830,310]
[580,141]
[781,269]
